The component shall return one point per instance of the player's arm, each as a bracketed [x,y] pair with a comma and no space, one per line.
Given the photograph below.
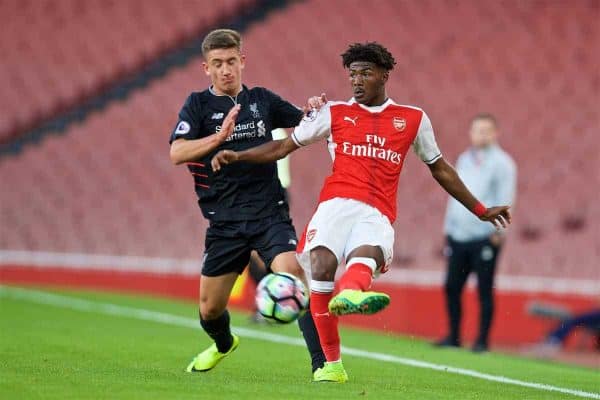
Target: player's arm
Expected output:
[447,177]
[183,150]
[427,149]
[265,153]
[313,127]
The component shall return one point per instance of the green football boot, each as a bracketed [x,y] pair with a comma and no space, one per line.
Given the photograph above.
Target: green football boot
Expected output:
[210,357]
[350,301]
[331,372]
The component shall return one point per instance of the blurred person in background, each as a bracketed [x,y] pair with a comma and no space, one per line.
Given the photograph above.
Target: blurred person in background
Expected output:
[568,322]
[472,245]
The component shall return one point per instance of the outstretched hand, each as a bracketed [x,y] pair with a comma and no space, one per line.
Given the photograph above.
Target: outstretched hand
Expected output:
[228,123]
[499,216]
[314,103]
[223,157]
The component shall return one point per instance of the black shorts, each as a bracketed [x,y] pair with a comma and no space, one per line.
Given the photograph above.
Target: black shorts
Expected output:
[228,244]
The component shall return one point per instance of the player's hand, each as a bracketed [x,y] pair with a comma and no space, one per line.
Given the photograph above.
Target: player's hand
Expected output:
[314,103]
[499,216]
[223,157]
[228,123]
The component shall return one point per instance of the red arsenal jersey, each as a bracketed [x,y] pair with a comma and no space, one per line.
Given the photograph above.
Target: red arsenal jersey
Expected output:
[368,146]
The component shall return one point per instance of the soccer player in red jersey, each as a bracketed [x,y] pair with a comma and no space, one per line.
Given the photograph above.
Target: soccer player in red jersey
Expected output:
[368,138]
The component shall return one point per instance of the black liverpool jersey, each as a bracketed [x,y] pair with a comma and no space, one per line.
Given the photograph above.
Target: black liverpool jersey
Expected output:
[241,191]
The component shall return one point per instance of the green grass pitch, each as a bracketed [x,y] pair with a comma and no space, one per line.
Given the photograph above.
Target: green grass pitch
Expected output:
[75,350]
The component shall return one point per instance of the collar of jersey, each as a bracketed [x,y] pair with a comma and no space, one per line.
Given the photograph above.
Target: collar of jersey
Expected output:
[211,90]
[373,109]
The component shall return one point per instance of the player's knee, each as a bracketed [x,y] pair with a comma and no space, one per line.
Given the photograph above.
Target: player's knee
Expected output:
[323,264]
[209,310]
[210,313]
[322,274]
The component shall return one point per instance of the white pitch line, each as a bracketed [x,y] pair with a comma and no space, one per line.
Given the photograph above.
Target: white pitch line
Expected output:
[170,319]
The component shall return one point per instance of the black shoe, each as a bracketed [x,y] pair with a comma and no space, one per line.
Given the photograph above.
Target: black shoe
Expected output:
[480,347]
[447,342]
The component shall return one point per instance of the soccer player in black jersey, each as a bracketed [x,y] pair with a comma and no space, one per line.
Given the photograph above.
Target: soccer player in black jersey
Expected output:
[245,203]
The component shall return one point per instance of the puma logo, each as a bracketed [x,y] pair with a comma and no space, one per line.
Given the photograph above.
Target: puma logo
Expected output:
[351,120]
[325,314]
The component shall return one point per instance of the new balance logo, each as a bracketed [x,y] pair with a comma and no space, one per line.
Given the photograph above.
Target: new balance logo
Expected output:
[217,116]
[352,120]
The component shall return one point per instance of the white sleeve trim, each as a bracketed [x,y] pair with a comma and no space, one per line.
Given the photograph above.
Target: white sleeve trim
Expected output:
[434,159]
[313,127]
[424,144]
[295,140]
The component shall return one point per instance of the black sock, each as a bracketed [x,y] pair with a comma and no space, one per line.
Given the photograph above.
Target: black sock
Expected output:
[218,329]
[311,337]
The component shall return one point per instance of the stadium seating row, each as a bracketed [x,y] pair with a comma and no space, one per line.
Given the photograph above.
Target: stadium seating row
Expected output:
[107,186]
[57,52]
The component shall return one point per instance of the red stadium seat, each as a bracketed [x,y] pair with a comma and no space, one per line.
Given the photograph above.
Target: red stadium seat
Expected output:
[107,185]
[55,53]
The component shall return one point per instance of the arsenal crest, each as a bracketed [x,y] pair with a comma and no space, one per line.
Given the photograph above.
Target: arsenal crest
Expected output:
[310,235]
[399,123]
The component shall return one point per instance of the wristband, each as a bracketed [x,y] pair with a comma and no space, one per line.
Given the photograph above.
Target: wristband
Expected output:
[479,209]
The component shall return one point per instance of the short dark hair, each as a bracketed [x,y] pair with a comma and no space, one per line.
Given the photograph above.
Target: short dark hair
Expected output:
[221,39]
[370,52]
[486,117]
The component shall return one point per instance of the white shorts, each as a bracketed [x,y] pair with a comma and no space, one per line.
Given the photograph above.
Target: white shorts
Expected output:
[342,225]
